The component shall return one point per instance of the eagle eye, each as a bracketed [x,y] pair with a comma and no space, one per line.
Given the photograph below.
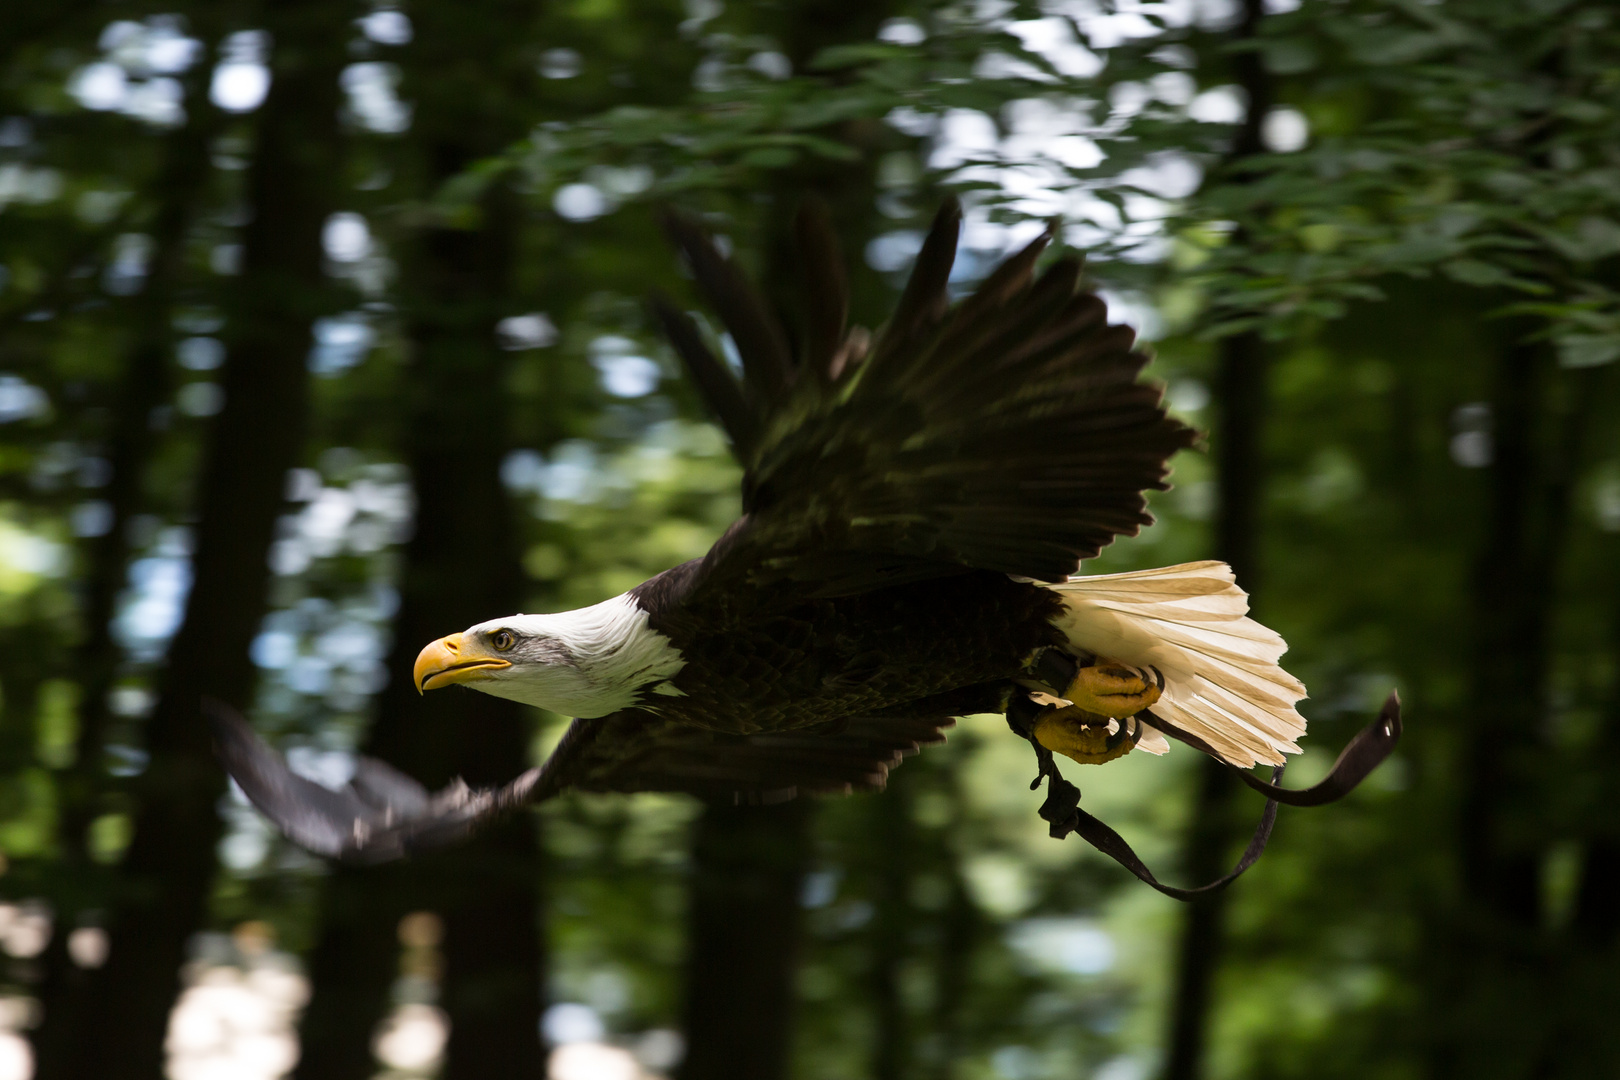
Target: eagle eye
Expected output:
[502,640]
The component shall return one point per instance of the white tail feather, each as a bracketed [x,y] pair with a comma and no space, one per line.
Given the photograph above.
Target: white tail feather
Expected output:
[1221,677]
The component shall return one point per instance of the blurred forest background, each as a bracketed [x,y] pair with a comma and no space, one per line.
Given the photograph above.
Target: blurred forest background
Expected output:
[321,335]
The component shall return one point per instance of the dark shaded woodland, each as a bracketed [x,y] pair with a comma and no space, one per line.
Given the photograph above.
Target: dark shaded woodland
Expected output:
[323,334]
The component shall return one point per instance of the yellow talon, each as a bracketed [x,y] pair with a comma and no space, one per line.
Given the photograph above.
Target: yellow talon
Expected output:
[1085,736]
[1110,688]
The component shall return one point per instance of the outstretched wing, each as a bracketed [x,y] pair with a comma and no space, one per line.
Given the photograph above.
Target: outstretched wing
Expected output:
[637,751]
[1009,432]
[381,814]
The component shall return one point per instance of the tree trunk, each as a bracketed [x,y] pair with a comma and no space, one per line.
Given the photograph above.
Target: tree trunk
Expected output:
[1240,395]
[352,968]
[1595,922]
[461,566]
[1511,608]
[892,844]
[488,891]
[144,384]
[743,930]
[962,926]
[1582,1042]
[1497,958]
[1240,398]
[256,438]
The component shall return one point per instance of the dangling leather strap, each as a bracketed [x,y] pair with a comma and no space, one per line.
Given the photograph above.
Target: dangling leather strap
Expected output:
[1364,753]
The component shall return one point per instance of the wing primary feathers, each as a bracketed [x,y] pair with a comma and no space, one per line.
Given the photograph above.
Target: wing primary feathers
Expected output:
[826,286]
[767,364]
[643,752]
[381,814]
[1006,338]
[315,817]
[924,301]
[715,383]
[1011,277]
[1008,433]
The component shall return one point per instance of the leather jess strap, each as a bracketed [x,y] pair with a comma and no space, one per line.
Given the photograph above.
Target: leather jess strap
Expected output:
[1371,745]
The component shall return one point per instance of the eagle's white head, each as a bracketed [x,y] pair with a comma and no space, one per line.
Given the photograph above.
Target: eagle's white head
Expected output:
[586,662]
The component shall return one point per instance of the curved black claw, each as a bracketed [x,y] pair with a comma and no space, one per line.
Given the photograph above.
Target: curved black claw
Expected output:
[379,815]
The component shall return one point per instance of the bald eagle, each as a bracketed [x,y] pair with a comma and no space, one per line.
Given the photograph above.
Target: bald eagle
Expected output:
[916,506]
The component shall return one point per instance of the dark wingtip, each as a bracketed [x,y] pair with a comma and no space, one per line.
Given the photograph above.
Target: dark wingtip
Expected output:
[381,814]
[925,298]
[684,230]
[767,364]
[714,382]
[825,283]
[218,713]
[236,744]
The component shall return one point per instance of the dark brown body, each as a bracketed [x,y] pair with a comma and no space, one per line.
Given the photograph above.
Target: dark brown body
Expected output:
[760,666]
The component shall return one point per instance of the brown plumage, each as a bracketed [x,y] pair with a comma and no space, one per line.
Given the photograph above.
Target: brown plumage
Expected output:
[914,506]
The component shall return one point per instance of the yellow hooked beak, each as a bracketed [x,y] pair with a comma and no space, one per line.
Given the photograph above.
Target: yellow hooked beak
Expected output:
[452,659]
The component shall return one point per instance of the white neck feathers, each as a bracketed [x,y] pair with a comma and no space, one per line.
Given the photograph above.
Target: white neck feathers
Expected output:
[616,656]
